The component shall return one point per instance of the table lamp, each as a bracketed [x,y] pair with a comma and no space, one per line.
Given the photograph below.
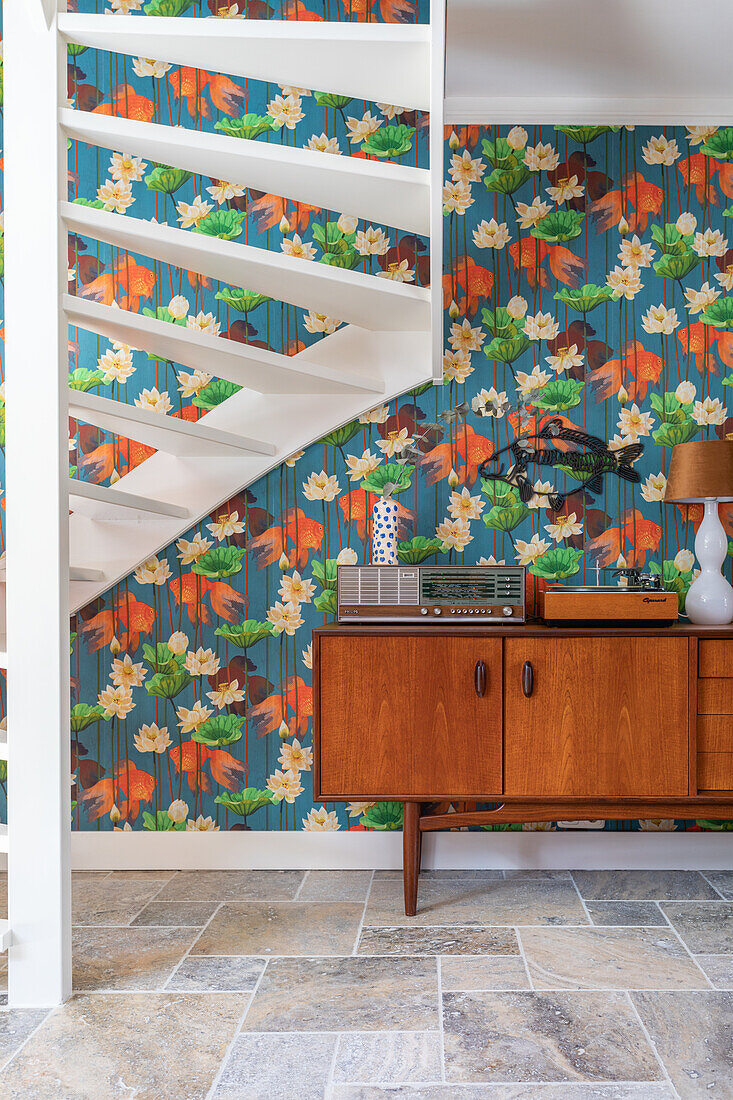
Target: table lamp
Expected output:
[701,472]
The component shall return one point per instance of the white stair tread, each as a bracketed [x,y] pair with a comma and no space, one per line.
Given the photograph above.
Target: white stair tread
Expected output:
[292,422]
[76,573]
[105,502]
[165,433]
[3,744]
[384,62]
[383,192]
[6,936]
[364,300]
[256,368]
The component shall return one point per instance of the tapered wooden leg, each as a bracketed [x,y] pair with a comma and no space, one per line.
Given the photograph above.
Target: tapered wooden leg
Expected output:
[411,848]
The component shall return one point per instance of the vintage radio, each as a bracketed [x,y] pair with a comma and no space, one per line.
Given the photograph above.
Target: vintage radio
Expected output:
[427,593]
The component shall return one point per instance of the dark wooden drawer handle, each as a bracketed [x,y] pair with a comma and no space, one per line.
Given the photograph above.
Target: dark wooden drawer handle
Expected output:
[480,678]
[527,678]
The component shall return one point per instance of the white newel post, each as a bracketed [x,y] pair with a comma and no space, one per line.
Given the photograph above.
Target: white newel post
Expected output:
[39,769]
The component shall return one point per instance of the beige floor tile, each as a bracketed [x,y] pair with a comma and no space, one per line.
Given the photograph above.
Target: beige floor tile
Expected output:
[643,885]
[718,969]
[211,972]
[706,928]
[335,886]
[16,1024]
[526,1091]
[502,902]
[147,1046]
[459,972]
[281,928]
[443,940]
[266,1067]
[536,1037]
[693,1034]
[350,994]
[388,1057]
[176,914]
[106,900]
[608,958]
[232,886]
[128,958]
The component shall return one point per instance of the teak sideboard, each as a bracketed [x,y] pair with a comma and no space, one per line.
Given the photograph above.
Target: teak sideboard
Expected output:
[550,723]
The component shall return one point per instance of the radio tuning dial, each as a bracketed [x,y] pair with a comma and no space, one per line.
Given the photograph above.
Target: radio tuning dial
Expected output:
[437,611]
[506,612]
[423,610]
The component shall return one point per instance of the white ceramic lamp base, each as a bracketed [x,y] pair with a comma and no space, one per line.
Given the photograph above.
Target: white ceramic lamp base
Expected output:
[710,598]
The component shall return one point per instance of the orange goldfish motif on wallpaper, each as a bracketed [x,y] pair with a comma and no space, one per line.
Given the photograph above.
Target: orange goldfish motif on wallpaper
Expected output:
[464,452]
[635,371]
[127,621]
[128,103]
[294,706]
[637,202]
[137,786]
[126,285]
[190,84]
[530,253]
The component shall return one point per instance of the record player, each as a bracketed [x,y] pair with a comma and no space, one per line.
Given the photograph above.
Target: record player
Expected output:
[642,601]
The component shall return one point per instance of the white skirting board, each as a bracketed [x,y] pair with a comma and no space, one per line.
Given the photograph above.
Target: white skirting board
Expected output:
[358,850]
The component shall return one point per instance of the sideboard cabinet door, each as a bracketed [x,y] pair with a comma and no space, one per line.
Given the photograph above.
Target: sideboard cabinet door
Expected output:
[408,718]
[604,717]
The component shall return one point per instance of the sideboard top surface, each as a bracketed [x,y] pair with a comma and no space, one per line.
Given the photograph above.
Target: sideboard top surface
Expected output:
[530,630]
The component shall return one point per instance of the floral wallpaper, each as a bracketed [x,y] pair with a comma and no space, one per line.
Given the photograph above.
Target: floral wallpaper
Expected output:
[587,276]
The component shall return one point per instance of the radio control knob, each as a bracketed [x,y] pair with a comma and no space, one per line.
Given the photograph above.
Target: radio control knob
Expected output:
[489,610]
[423,610]
[437,611]
[506,612]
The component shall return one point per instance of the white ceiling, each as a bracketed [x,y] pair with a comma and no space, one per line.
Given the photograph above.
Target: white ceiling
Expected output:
[589,61]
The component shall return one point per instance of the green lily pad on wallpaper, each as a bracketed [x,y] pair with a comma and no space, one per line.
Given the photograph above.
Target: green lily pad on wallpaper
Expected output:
[162,313]
[383,816]
[160,659]
[246,802]
[249,126]
[390,479]
[506,351]
[720,144]
[245,634]
[557,564]
[670,240]
[669,408]
[715,826]
[420,390]
[559,394]
[160,822]
[243,300]
[347,260]
[676,266]
[341,436]
[719,314]
[500,323]
[219,730]
[390,141]
[329,99]
[73,49]
[95,204]
[327,576]
[585,298]
[506,517]
[585,134]
[414,551]
[728,213]
[559,226]
[500,153]
[167,8]
[499,492]
[168,685]
[506,181]
[85,380]
[83,715]
[165,179]
[330,238]
[224,224]
[219,562]
[676,431]
[215,392]
[326,602]
[728,380]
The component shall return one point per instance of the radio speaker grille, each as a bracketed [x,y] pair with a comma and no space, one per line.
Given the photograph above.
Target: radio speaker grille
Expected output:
[371,585]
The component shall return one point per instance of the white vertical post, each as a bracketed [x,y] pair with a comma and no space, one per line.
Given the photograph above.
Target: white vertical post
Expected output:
[39,814]
[437,147]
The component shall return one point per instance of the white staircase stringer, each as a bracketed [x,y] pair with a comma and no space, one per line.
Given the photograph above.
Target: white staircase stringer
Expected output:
[290,422]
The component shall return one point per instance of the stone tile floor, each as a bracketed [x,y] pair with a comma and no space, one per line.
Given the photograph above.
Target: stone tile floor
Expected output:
[290,985]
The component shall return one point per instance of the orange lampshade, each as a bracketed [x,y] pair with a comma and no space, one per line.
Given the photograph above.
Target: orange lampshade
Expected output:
[701,470]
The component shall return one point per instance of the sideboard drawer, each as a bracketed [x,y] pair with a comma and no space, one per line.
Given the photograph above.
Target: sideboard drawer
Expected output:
[715,771]
[715,733]
[715,696]
[715,657]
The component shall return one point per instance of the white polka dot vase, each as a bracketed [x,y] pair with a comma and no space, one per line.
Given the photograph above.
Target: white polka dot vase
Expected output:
[384,532]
